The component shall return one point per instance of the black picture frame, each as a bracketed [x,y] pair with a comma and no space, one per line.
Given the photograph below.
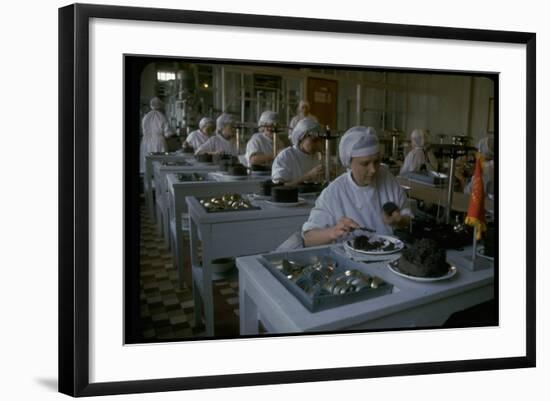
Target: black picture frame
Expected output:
[74,194]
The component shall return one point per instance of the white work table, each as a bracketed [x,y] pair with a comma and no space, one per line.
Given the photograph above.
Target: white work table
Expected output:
[179,190]
[411,304]
[148,175]
[161,198]
[232,234]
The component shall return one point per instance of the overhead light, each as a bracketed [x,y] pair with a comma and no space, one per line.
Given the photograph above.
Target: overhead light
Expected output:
[205,85]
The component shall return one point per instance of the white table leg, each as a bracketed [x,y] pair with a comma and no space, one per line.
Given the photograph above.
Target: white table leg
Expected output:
[179,239]
[248,310]
[207,293]
[194,258]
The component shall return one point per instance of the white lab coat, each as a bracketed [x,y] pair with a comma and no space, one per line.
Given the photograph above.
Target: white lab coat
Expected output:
[217,144]
[155,128]
[344,198]
[196,139]
[258,143]
[416,158]
[291,164]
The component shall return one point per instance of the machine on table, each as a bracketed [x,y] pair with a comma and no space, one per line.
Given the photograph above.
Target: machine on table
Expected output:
[438,189]
[455,150]
[328,136]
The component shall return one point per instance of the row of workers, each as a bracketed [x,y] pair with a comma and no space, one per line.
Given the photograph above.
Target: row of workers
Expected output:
[298,163]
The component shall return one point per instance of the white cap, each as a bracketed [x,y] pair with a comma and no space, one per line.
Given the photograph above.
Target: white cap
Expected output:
[206,121]
[223,120]
[156,103]
[418,137]
[268,118]
[358,141]
[305,126]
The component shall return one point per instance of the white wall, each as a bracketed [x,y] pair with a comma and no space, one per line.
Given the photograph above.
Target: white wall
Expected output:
[29,219]
[148,83]
[482,92]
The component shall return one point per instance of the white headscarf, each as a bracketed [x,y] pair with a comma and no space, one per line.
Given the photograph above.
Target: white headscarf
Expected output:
[223,120]
[268,118]
[205,121]
[358,141]
[156,103]
[486,147]
[419,137]
[305,126]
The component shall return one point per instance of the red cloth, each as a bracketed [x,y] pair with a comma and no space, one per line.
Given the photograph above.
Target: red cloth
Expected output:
[476,209]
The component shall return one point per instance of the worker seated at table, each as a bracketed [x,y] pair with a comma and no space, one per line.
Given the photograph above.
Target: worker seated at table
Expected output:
[486,149]
[420,157]
[259,149]
[356,198]
[196,138]
[222,142]
[300,162]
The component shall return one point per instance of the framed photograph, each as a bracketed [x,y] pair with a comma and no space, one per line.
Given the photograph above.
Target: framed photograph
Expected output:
[154,280]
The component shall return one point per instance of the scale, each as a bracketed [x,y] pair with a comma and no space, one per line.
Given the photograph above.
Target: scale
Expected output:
[328,136]
[455,150]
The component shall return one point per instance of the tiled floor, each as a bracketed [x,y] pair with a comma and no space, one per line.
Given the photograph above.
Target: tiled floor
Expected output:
[167,310]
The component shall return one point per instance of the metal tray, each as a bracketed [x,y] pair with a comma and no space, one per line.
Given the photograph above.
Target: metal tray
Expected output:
[227,208]
[314,303]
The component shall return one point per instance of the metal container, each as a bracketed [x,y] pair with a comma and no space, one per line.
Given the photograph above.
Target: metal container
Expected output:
[323,279]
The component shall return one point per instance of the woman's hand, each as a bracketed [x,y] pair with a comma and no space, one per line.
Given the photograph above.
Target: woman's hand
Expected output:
[344,226]
[323,236]
[314,174]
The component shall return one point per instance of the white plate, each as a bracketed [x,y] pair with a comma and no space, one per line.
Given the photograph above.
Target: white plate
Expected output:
[386,238]
[452,271]
[301,201]
[479,252]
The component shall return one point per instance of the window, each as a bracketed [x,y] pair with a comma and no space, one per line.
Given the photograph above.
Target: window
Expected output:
[165,75]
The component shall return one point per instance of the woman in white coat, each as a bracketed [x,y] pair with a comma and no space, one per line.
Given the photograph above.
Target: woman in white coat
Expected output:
[196,138]
[155,128]
[356,198]
[259,149]
[222,142]
[300,163]
[419,158]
